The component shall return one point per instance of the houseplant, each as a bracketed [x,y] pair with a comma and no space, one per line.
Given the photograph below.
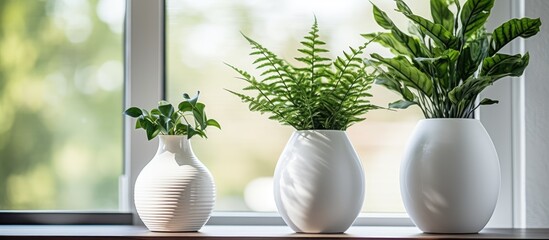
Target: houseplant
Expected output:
[174,191]
[450,172]
[319,181]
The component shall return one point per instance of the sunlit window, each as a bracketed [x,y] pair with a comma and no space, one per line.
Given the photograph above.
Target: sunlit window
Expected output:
[61,85]
[202,35]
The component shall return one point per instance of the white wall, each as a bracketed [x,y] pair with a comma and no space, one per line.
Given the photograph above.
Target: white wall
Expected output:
[537,119]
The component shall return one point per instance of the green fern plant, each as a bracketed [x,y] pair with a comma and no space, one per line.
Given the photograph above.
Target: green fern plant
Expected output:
[444,64]
[320,94]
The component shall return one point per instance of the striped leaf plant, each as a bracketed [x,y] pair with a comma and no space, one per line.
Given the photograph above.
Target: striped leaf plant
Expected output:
[442,64]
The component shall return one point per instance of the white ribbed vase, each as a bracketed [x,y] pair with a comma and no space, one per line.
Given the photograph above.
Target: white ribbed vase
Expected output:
[175,192]
[319,182]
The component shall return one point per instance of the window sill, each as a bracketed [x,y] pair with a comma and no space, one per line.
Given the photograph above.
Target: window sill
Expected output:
[245,232]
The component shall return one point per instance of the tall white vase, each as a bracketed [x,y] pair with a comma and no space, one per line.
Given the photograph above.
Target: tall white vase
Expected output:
[175,192]
[450,176]
[319,182]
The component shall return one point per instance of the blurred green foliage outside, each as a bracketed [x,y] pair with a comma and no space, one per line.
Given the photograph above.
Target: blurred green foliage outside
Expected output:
[61,77]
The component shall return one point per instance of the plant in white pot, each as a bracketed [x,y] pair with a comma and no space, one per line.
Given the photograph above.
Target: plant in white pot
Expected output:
[174,192]
[318,180]
[450,174]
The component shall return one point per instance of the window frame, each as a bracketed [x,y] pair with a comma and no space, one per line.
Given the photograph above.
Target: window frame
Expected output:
[145,85]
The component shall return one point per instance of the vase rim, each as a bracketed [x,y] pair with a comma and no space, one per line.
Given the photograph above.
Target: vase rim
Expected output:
[172,136]
[319,130]
[449,119]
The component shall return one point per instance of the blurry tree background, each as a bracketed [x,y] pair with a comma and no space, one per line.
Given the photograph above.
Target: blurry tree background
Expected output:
[61,84]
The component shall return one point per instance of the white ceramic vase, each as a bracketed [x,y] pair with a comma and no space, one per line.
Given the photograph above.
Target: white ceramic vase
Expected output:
[450,176]
[175,192]
[319,182]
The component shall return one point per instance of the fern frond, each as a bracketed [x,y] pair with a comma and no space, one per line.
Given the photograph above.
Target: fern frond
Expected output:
[321,94]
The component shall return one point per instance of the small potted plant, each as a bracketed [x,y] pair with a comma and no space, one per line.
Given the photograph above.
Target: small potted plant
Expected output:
[174,192]
[450,172]
[318,180]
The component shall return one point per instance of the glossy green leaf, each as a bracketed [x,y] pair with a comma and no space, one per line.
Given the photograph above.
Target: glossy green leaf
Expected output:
[411,76]
[524,27]
[474,15]
[487,101]
[442,15]
[155,112]
[471,57]
[133,112]
[185,106]
[165,120]
[199,116]
[403,7]
[192,100]
[389,41]
[436,31]
[166,110]
[469,89]
[503,65]
[213,123]
[382,19]
[412,45]
[401,104]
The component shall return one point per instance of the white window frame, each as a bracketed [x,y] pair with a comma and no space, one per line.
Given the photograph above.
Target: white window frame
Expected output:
[145,81]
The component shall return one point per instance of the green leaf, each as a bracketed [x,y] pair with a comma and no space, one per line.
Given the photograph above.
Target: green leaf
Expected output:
[412,45]
[441,14]
[411,76]
[166,110]
[401,104]
[151,128]
[472,55]
[503,65]
[394,85]
[524,27]
[213,123]
[487,101]
[191,131]
[139,123]
[185,106]
[469,89]
[403,7]
[199,116]
[436,31]
[319,94]
[193,100]
[133,112]
[474,15]
[155,112]
[389,41]
[382,19]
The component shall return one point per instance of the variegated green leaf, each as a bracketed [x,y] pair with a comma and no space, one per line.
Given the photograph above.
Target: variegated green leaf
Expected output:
[505,65]
[442,15]
[436,31]
[411,75]
[474,15]
[524,27]
[401,104]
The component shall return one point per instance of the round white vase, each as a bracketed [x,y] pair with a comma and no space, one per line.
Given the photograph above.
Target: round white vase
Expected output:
[174,192]
[319,182]
[450,176]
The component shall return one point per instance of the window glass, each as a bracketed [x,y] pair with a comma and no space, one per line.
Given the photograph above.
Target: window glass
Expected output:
[202,35]
[61,87]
